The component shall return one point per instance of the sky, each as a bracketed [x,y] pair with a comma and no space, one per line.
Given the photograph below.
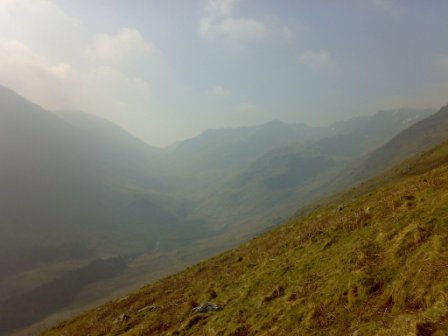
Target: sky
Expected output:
[167,70]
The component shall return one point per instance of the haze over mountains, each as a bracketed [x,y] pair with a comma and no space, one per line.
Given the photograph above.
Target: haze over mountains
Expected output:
[417,138]
[372,261]
[78,191]
[293,172]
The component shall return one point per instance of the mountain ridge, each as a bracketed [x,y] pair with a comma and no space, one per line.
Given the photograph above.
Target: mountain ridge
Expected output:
[101,193]
[369,264]
[419,137]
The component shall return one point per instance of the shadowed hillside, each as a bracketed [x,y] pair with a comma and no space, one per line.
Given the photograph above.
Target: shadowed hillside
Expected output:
[67,198]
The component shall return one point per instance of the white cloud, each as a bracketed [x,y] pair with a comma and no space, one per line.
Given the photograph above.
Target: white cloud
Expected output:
[44,26]
[317,60]
[60,86]
[219,7]
[52,59]
[4,4]
[218,91]
[240,29]
[219,23]
[247,107]
[127,43]
[21,68]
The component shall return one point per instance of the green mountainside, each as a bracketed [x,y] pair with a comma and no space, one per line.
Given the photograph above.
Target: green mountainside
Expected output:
[371,261]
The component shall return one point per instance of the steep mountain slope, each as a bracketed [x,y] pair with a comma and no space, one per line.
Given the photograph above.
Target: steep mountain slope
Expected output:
[419,137]
[56,181]
[220,153]
[107,133]
[65,202]
[374,264]
[279,181]
[125,157]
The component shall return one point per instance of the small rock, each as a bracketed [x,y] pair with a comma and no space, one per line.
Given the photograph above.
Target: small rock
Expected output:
[206,307]
[122,317]
[123,298]
[147,308]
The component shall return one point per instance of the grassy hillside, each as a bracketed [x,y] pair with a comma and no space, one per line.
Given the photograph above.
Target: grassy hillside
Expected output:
[372,262]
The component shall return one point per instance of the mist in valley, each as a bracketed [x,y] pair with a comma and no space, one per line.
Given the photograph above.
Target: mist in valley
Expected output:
[136,145]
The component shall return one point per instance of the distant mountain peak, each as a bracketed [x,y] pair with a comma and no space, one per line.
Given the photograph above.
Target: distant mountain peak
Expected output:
[275,122]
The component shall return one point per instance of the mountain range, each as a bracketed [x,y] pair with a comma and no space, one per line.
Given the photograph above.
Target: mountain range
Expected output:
[84,202]
[370,260]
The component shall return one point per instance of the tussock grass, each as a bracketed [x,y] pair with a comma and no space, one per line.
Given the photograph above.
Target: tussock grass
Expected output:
[372,262]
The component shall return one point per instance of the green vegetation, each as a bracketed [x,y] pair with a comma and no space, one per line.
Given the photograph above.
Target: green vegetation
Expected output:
[372,261]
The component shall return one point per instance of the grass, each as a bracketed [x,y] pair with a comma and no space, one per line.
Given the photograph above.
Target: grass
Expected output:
[372,261]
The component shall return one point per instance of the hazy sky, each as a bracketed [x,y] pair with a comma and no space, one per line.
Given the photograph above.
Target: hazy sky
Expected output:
[168,69]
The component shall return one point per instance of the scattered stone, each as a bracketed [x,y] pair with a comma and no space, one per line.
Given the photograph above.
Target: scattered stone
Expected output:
[206,307]
[123,298]
[122,317]
[147,308]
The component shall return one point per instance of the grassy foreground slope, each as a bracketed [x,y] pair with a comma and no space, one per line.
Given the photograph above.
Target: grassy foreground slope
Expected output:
[374,264]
